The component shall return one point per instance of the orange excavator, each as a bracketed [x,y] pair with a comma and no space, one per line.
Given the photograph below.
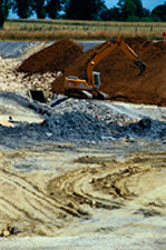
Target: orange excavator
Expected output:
[88,86]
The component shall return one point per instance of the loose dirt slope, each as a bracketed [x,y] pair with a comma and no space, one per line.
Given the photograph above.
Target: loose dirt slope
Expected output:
[120,76]
[53,58]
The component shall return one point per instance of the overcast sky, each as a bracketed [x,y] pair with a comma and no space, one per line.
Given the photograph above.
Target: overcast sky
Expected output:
[148,4]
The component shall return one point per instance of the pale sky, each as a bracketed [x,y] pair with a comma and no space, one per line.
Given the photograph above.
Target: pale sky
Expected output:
[148,4]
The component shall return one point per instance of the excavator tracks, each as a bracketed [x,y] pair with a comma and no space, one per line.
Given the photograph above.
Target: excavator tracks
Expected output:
[86,94]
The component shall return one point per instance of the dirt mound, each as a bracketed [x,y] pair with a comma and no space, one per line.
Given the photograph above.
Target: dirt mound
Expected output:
[119,75]
[53,58]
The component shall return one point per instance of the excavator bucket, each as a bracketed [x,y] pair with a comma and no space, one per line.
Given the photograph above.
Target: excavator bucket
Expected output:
[141,65]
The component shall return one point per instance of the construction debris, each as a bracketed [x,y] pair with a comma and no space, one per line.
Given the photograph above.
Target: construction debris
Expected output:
[77,121]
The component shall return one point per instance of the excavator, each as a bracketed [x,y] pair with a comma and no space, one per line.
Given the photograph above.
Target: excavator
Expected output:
[88,86]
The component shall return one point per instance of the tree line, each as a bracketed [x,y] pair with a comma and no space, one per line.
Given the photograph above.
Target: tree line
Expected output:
[126,10]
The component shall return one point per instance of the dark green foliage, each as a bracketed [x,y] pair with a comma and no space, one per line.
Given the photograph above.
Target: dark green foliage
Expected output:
[5,6]
[23,8]
[139,8]
[40,8]
[159,13]
[84,10]
[140,11]
[53,8]
[112,14]
[127,8]
[132,10]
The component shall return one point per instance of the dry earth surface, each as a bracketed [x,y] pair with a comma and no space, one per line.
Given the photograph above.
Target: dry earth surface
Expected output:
[65,194]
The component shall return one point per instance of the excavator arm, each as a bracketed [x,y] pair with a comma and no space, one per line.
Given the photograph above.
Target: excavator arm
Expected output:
[105,50]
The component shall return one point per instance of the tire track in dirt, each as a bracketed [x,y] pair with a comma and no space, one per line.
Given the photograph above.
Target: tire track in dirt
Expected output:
[113,185]
[77,188]
[26,205]
[25,198]
[95,183]
[43,205]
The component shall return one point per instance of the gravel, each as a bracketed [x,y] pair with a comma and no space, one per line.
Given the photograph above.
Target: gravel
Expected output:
[77,121]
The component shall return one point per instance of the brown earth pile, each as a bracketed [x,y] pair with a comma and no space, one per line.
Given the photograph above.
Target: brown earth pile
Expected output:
[119,75]
[53,58]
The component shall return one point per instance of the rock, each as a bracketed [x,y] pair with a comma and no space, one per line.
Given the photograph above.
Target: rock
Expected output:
[5,233]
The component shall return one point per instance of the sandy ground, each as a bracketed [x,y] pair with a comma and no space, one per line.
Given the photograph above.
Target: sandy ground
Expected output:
[84,197]
[59,196]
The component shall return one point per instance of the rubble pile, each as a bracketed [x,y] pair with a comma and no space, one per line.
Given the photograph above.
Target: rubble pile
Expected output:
[20,82]
[77,121]
[88,120]
[96,109]
[81,128]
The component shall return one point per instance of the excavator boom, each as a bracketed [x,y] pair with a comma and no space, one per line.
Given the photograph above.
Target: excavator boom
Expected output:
[106,49]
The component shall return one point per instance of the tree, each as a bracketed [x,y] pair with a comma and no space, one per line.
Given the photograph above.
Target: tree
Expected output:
[145,13]
[132,10]
[127,9]
[112,14]
[39,6]
[23,8]
[139,8]
[5,6]
[53,8]
[84,10]
[159,13]
[140,11]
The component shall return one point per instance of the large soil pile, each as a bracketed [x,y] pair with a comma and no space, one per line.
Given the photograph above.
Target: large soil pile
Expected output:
[53,58]
[119,75]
